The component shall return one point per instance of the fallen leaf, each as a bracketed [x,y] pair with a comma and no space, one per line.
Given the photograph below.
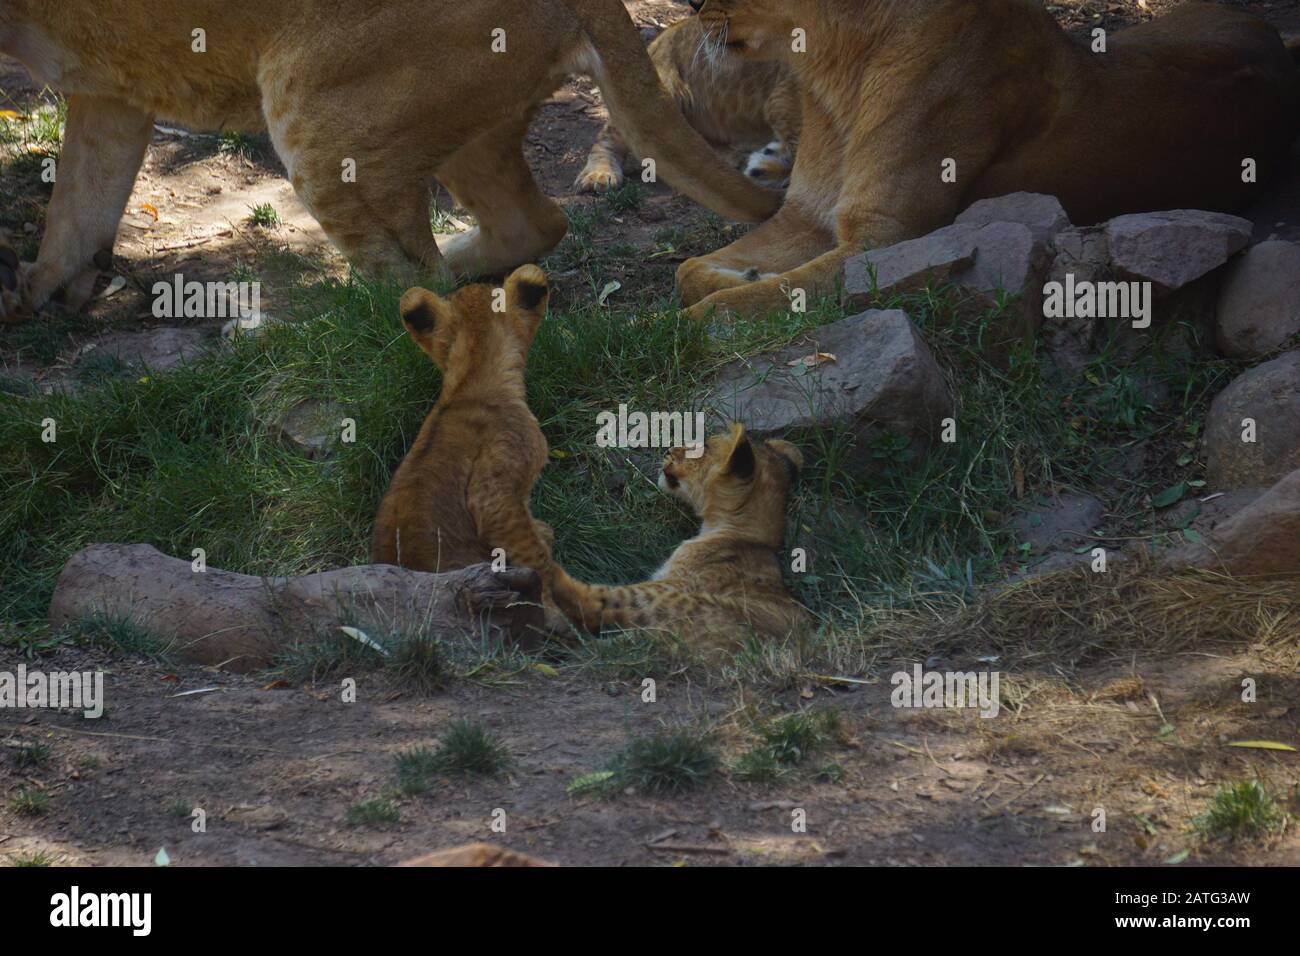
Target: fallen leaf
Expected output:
[151,209]
[363,638]
[814,360]
[609,290]
[1262,745]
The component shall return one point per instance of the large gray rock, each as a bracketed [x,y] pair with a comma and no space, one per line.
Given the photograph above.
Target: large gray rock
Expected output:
[1262,538]
[1171,249]
[158,349]
[1043,214]
[908,266]
[1268,395]
[1259,304]
[881,377]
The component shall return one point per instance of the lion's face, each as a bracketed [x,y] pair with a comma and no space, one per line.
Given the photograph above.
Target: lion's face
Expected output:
[732,474]
[754,28]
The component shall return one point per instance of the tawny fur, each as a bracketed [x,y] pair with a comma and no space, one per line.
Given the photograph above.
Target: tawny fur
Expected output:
[408,90]
[723,586]
[892,89]
[732,101]
[462,490]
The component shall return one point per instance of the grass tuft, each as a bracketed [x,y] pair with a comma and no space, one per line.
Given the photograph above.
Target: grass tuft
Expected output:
[1242,811]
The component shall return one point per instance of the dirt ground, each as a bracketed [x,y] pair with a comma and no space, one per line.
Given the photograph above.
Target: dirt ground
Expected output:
[275,769]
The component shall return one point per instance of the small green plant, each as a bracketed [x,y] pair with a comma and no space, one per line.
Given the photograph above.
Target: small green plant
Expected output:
[414,768]
[416,662]
[626,197]
[31,755]
[236,143]
[37,858]
[116,632]
[29,803]
[466,748]
[786,742]
[263,216]
[1241,811]
[372,813]
[178,808]
[664,763]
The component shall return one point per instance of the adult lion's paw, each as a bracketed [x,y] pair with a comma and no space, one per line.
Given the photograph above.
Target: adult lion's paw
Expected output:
[599,178]
[770,166]
[12,286]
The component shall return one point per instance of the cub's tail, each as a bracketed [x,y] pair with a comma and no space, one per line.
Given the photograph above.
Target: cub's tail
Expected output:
[651,122]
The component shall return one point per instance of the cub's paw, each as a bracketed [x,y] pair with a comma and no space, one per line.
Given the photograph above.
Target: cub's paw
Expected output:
[599,178]
[12,286]
[770,166]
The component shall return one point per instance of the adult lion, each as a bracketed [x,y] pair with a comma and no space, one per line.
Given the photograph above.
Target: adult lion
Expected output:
[400,91]
[896,92]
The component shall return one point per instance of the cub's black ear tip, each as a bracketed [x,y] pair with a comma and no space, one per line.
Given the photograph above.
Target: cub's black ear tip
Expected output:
[418,314]
[531,294]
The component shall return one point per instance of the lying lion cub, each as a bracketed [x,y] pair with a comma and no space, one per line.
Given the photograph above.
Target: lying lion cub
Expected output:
[731,101]
[462,490]
[366,101]
[724,585]
[914,110]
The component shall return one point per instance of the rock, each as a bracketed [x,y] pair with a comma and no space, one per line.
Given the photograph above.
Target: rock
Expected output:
[1259,304]
[1063,522]
[1262,538]
[908,266]
[1269,395]
[1171,249]
[312,427]
[1043,214]
[882,377]
[158,349]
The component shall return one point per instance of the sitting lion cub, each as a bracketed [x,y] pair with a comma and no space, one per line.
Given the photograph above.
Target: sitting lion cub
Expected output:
[731,101]
[724,585]
[462,490]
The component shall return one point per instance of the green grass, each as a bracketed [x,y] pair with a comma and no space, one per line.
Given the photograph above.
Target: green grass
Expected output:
[465,750]
[185,459]
[115,632]
[29,803]
[263,216]
[37,858]
[1242,811]
[31,756]
[664,763]
[786,742]
[372,813]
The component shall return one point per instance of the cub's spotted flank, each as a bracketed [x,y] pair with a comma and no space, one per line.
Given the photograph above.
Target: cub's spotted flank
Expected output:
[724,585]
[462,490]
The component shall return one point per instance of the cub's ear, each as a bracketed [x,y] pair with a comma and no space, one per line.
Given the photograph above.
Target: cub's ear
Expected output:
[422,312]
[741,461]
[791,455]
[527,291]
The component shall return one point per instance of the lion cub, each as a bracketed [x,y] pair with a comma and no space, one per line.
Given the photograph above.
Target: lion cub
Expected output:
[462,490]
[731,101]
[723,585]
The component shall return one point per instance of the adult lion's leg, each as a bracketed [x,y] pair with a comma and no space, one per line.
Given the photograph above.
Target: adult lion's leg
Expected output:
[367,184]
[815,279]
[517,222]
[103,147]
[784,242]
